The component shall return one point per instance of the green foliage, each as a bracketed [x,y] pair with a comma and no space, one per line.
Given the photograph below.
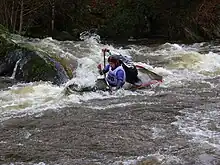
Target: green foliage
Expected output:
[116,18]
[5,43]
[3,29]
[129,18]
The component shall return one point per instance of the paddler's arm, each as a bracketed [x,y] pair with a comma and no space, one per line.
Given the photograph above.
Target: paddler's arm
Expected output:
[105,70]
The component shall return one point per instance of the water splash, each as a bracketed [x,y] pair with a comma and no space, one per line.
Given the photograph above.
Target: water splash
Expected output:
[15,69]
[90,36]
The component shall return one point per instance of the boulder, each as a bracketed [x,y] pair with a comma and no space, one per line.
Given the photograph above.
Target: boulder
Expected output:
[27,64]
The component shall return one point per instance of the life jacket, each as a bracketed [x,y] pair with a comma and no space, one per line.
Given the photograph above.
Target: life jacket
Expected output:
[112,78]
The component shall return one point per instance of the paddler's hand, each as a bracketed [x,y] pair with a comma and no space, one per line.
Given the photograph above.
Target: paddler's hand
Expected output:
[105,50]
[99,66]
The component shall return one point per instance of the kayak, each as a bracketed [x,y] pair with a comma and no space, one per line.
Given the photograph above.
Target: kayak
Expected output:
[146,79]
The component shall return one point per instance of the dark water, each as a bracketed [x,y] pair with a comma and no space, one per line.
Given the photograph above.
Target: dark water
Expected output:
[83,135]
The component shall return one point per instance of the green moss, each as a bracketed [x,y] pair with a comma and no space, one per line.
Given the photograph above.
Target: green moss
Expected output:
[27,46]
[6,46]
[40,69]
[64,63]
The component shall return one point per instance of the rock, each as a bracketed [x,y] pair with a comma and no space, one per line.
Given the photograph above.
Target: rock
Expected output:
[6,82]
[27,64]
[63,36]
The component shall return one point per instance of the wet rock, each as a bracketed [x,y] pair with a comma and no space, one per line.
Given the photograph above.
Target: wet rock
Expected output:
[27,64]
[63,36]
[33,67]
[4,70]
[6,82]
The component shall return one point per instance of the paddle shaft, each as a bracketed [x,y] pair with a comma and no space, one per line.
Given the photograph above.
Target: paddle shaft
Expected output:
[104,61]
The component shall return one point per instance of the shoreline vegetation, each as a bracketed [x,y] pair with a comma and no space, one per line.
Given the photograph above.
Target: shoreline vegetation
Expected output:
[117,20]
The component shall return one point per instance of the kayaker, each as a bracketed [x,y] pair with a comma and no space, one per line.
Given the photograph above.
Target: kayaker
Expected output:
[116,74]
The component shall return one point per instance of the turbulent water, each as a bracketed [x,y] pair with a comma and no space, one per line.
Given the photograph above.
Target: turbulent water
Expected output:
[173,124]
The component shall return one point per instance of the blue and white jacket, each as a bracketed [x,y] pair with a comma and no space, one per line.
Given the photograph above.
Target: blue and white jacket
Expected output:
[115,77]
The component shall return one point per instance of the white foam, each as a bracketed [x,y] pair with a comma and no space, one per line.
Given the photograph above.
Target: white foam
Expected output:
[202,125]
[155,158]
[158,132]
[27,98]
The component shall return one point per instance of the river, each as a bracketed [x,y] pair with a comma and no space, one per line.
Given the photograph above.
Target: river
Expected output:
[176,123]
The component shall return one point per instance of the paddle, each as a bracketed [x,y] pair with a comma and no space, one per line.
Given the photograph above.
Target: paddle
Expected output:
[104,63]
[104,50]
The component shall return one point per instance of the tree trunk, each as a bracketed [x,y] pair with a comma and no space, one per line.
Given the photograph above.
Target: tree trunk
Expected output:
[15,20]
[12,13]
[13,17]
[53,16]
[21,16]
[6,15]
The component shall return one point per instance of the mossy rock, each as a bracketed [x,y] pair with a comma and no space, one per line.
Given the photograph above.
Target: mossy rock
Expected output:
[33,64]
[33,67]
[66,64]
[5,46]
[37,69]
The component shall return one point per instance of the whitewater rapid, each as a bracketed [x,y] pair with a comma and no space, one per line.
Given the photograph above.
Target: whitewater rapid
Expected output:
[179,64]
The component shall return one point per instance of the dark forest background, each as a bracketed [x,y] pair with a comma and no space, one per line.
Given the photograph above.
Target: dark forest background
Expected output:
[192,20]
